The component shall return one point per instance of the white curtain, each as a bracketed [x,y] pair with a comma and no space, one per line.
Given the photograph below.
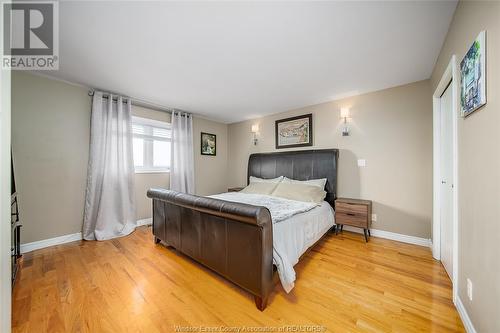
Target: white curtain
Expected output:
[181,164]
[110,198]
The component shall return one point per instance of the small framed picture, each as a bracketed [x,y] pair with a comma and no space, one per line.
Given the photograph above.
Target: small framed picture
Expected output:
[208,144]
[294,132]
[473,76]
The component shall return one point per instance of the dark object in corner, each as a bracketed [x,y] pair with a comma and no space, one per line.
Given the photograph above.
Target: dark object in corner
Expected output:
[235,189]
[15,225]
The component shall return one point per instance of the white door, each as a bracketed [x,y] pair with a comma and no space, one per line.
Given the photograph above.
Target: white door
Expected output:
[446,190]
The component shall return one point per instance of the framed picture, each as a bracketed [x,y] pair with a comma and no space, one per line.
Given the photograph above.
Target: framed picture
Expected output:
[208,144]
[473,76]
[294,132]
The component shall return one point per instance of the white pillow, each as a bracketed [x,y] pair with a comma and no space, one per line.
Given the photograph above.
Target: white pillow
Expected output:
[313,182]
[264,180]
[299,192]
[260,188]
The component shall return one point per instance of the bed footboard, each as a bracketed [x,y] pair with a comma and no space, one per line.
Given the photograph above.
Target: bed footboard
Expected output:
[233,239]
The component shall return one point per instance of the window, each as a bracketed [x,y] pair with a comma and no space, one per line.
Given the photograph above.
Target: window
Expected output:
[151,145]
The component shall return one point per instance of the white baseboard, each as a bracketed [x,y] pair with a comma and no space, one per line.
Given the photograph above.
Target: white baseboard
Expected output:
[393,236]
[142,222]
[28,247]
[465,316]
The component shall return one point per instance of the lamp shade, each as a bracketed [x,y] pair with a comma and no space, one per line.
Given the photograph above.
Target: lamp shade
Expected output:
[255,128]
[344,113]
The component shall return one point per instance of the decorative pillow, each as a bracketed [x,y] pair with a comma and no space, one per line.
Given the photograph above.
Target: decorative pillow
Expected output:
[314,182]
[260,188]
[299,192]
[264,180]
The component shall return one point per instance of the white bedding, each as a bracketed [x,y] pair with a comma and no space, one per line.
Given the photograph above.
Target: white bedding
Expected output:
[291,238]
[280,208]
[297,226]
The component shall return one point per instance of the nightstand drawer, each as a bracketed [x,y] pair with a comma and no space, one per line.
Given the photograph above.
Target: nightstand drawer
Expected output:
[350,218]
[343,207]
[355,213]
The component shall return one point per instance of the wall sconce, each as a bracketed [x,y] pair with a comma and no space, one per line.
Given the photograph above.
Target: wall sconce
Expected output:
[344,113]
[255,130]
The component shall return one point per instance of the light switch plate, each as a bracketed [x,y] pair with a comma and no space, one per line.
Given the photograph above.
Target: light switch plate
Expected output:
[374,217]
[361,163]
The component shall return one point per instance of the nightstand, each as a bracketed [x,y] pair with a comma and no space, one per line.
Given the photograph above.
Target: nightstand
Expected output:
[354,212]
[235,189]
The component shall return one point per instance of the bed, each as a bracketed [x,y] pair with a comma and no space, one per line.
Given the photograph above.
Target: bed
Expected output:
[239,240]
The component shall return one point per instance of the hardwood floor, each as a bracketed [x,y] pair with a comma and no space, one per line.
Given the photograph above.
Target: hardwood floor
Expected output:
[132,285]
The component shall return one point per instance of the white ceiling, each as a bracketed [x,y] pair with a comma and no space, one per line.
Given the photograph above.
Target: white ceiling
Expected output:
[231,61]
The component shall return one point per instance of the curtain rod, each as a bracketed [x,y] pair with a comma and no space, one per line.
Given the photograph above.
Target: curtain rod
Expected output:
[139,102]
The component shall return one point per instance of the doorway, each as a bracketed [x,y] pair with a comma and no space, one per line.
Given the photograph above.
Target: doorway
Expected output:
[445,173]
[446,186]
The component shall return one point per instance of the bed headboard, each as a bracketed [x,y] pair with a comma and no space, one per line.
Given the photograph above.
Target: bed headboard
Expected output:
[300,165]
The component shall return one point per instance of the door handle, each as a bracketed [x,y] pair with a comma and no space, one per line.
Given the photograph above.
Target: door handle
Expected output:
[443,182]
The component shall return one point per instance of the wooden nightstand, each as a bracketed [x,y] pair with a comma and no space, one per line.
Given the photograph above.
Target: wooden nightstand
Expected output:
[235,189]
[354,212]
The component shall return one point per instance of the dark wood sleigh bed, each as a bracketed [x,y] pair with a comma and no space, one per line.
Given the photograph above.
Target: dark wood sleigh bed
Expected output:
[234,239]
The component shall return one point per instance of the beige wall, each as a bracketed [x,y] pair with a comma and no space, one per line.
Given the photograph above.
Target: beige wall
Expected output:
[50,147]
[210,171]
[391,129]
[50,143]
[478,167]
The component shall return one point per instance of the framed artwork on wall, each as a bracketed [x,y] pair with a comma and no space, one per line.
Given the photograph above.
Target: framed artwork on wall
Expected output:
[208,144]
[473,76]
[294,132]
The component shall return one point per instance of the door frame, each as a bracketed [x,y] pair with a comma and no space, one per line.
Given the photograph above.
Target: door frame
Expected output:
[450,74]
[5,196]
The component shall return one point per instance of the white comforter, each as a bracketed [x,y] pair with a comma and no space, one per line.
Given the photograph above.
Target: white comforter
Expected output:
[297,225]
[280,209]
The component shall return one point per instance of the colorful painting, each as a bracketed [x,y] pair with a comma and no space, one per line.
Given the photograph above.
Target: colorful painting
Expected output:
[473,76]
[208,144]
[294,132]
